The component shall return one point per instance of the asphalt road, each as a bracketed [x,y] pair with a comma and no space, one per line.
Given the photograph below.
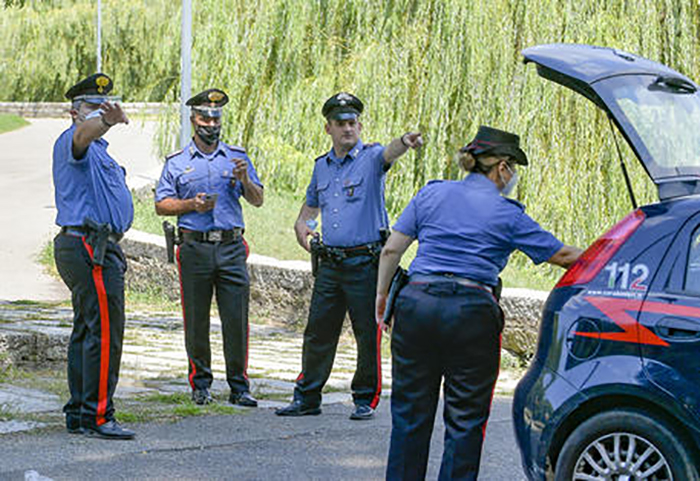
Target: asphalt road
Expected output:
[27,198]
[256,445]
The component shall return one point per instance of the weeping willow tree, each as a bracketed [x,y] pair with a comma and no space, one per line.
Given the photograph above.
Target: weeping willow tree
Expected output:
[439,66]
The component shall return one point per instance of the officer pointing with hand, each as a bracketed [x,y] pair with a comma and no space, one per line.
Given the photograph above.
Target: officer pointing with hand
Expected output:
[202,185]
[94,210]
[347,189]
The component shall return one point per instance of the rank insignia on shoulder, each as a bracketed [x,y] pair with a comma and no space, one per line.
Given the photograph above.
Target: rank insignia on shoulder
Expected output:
[173,154]
[236,148]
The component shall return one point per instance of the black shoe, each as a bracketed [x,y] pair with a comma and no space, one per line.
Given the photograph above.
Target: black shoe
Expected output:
[243,399]
[362,412]
[202,396]
[297,408]
[73,427]
[109,430]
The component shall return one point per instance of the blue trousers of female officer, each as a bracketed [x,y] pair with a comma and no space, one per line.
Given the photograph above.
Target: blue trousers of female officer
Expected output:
[205,266]
[444,332]
[95,348]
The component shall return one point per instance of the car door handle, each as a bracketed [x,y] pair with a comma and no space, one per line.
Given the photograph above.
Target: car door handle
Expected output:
[678,329]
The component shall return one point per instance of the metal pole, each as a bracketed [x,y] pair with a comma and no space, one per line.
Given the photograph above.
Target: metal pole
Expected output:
[99,35]
[185,71]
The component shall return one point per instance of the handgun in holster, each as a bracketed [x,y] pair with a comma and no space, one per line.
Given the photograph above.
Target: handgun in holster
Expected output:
[316,248]
[498,290]
[97,237]
[398,282]
[170,240]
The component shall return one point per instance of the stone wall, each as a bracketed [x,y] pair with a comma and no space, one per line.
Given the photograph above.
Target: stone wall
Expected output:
[281,291]
[60,109]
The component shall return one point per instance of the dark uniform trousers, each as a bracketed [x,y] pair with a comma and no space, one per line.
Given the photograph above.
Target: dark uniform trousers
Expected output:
[447,331]
[205,266]
[95,348]
[341,286]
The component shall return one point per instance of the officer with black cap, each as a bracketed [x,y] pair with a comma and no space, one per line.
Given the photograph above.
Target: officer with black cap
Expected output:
[447,320]
[202,185]
[347,189]
[94,210]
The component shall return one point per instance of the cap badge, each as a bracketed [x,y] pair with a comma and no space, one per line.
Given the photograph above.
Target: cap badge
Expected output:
[101,82]
[215,96]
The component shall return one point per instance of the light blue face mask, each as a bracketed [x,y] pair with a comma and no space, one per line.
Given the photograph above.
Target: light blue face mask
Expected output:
[510,185]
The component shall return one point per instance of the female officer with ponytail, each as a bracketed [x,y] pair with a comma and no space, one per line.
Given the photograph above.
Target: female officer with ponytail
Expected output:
[447,321]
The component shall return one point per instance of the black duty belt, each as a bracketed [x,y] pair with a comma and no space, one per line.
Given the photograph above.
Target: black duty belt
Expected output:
[211,236]
[428,278]
[361,250]
[81,231]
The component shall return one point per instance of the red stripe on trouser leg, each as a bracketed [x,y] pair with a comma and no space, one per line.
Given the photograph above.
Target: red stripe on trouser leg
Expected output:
[193,368]
[247,248]
[500,341]
[245,363]
[378,392]
[98,279]
[300,376]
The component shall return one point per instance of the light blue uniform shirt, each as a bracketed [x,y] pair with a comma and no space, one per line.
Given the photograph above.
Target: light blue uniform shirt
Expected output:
[468,229]
[93,186]
[350,194]
[190,171]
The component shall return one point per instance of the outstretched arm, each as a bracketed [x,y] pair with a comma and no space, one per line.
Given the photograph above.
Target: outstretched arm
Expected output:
[400,145]
[565,256]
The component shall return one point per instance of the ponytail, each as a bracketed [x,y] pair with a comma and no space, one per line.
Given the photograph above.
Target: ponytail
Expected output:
[472,164]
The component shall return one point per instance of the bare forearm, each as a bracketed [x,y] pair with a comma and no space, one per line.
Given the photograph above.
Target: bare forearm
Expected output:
[172,206]
[394,150]
[307,213]
[253,193]
[399,146]
[389,260]
[565,256]
[87,132]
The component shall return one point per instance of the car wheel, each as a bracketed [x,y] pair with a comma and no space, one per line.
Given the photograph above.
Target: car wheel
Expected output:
[624,444]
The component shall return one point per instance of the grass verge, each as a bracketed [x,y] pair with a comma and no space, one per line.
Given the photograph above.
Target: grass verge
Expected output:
[10,122]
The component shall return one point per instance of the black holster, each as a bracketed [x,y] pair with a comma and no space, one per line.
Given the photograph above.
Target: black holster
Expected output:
[170,240]
[97,237]
[398,282]
[316,249]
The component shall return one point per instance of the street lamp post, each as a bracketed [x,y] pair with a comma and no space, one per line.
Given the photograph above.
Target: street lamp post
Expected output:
[99,35]
[185,71]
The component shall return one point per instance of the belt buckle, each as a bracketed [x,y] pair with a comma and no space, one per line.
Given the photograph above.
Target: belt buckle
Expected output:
[214,236]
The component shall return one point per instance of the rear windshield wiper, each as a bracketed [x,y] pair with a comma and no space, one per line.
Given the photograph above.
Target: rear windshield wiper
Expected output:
[678,85]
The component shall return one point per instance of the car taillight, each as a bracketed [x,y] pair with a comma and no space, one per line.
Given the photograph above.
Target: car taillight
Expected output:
[599,253]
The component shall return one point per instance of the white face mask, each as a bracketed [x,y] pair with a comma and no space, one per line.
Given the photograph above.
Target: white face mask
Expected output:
[510,185]
[95,113]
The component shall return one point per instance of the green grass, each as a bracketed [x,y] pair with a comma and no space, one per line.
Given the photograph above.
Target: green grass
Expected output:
[9,122]
[269,229]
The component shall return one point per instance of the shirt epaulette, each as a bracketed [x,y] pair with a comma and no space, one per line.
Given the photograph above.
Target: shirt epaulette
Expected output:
[320,157]
[173,154]
[367,146]
[236,148]
[435,181]
[513,201]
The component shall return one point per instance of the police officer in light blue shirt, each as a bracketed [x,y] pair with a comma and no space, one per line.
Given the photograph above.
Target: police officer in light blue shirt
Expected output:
[203,185]
[94,210]
[347,189]
[447,320]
